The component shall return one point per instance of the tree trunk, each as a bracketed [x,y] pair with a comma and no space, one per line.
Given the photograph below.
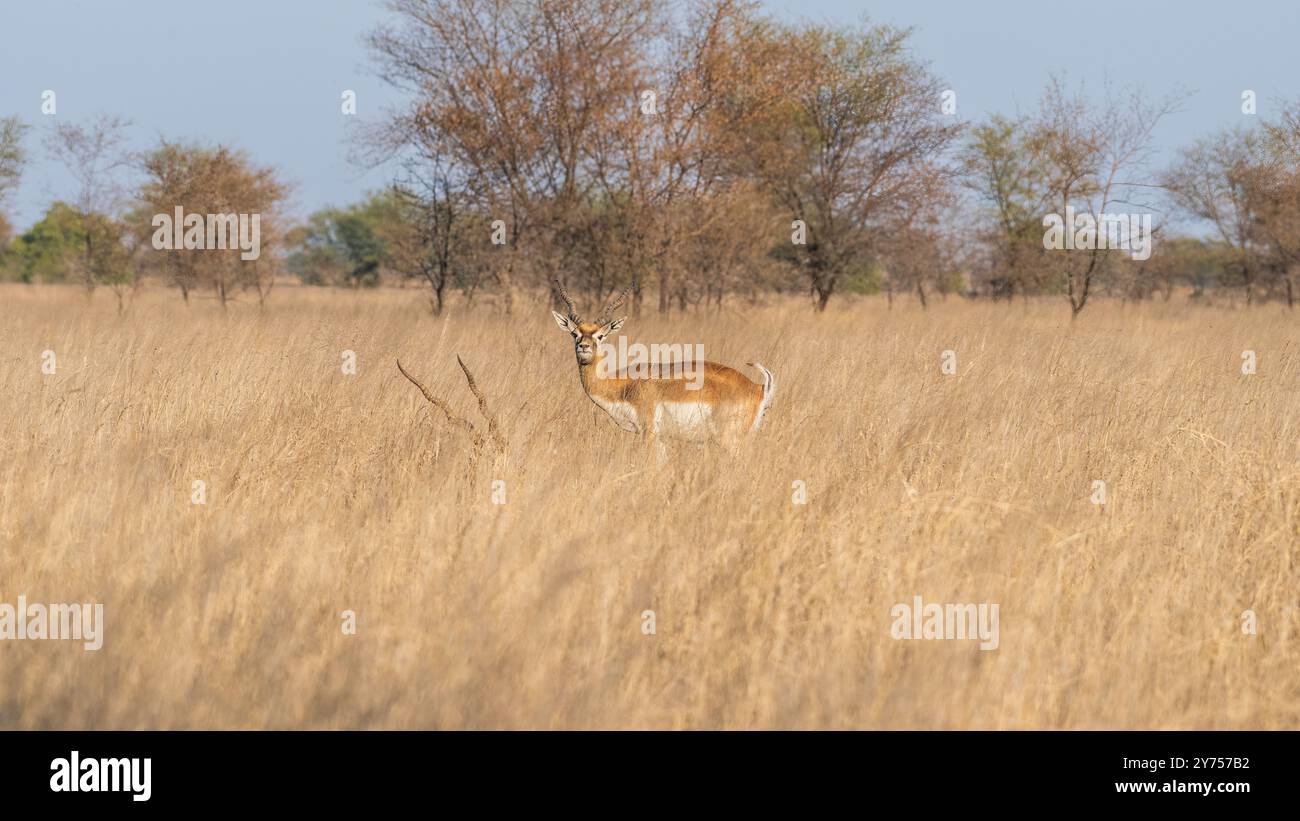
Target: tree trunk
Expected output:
[823,295]
[90,256]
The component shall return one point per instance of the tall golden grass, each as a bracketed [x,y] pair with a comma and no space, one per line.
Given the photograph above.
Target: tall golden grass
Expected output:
[330,492]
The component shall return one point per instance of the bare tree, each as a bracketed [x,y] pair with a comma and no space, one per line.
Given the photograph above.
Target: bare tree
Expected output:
[426,239]
[1092,155]
[1223,180]
[1280,218]
[94,155]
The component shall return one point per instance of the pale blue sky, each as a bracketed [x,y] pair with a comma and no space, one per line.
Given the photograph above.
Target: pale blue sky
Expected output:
[267,75]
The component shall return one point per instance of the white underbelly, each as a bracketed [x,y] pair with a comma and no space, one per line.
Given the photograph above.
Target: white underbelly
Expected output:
[683,418]
[623,414]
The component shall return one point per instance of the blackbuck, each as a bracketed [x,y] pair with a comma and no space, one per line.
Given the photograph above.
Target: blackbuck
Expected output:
[719,402]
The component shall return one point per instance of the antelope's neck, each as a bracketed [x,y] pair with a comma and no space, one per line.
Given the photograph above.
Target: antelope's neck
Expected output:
[592,383]
[587,374]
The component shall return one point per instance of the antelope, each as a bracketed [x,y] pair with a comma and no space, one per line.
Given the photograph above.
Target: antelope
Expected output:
[724,401]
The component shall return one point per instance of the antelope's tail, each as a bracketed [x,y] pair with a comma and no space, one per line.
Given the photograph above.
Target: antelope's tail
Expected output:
[769,390]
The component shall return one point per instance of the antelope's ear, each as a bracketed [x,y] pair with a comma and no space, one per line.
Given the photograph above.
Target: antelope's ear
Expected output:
[611,326]
[564,322]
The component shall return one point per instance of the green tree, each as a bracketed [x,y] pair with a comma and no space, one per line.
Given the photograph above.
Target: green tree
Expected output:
[1002,165]
[12,159]
[51,250]
[12,156]
[343,246]
[845,140]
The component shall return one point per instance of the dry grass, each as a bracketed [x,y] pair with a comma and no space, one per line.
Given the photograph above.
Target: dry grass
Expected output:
[330,492]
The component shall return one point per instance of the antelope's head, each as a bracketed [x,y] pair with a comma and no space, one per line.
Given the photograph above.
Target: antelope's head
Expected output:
[587,336]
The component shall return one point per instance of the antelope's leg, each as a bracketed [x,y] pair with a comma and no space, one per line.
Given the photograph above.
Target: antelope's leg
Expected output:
[649,424]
